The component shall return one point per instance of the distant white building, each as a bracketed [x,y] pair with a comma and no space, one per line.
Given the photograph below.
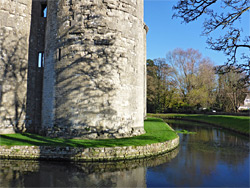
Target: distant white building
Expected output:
[246,105]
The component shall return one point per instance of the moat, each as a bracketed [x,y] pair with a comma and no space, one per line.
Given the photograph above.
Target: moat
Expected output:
[210,158]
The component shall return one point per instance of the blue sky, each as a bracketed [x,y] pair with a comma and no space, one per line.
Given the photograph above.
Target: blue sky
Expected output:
[165,34]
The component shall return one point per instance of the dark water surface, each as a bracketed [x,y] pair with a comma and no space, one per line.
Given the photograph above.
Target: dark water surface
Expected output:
[210,158]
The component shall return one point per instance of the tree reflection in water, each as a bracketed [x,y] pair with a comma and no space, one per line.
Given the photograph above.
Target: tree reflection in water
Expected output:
[212,157]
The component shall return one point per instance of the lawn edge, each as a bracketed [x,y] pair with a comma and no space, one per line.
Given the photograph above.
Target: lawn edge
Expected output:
[182,118]
[88,154]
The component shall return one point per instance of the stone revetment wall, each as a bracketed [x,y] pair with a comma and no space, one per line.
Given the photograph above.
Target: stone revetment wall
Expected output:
[87,154]
[129,173]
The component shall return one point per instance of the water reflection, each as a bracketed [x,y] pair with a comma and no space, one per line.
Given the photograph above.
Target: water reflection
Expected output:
[21,173]
[212,157]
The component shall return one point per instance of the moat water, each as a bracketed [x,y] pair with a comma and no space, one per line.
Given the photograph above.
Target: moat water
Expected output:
[210,158]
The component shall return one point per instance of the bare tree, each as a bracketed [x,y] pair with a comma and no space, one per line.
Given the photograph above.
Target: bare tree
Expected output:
[233,40]
[185,66]
[194,76]
[230,92]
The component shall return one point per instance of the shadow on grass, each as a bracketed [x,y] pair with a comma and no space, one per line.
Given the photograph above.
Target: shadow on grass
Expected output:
[36,140]
[156,131]
[27,139]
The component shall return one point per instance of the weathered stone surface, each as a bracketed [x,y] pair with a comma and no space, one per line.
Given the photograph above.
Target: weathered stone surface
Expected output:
[94,85]
[15,19]
[87,154]
[93,82]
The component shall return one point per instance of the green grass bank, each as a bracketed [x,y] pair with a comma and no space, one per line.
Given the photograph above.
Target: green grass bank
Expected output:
[156,131]
[240,124]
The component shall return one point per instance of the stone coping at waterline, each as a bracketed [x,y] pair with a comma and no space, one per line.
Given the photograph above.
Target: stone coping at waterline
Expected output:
[87,154]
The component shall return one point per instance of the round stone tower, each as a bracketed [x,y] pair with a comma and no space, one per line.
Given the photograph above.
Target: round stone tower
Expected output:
[94,74]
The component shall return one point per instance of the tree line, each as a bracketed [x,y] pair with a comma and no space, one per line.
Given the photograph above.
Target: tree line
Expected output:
[185,81]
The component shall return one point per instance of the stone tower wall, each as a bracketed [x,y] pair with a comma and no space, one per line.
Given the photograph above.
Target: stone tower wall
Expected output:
[15,17]
[35,66]
[94,74]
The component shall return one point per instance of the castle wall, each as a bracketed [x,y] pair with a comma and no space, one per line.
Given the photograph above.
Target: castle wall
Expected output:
[35,66]
[15,17]
[94,74]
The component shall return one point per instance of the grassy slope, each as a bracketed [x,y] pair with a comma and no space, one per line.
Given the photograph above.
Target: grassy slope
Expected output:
[237,123]
[156,131]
